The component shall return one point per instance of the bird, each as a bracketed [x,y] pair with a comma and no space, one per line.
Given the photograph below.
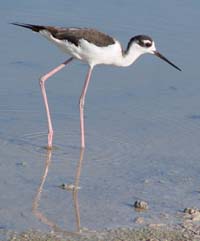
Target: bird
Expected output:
[93,47]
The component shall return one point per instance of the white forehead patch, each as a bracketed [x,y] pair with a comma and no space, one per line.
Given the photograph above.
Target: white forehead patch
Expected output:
[145,41]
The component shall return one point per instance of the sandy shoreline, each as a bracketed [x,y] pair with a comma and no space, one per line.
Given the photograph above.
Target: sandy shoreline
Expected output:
[183,232]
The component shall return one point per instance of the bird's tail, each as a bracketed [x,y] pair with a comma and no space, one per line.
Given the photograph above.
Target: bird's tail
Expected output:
[35,28]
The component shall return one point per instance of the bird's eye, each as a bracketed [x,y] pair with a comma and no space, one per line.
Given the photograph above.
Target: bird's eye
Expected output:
[148,44]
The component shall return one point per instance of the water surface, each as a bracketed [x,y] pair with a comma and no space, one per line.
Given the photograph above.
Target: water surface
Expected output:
[142,122]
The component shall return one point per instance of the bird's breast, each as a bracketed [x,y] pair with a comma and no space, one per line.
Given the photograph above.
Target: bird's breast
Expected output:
[100,55]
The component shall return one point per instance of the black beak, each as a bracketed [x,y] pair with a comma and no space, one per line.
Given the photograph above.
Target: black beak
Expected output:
[166,60]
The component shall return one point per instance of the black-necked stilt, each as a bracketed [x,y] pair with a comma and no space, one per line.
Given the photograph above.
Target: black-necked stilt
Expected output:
[94,48]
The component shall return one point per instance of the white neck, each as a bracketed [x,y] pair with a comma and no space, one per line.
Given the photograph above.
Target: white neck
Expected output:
[130,56]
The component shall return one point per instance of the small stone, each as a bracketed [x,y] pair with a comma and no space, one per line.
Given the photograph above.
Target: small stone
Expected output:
[141,205]
[139,220]
[69,187]
[191,210]
[192,214]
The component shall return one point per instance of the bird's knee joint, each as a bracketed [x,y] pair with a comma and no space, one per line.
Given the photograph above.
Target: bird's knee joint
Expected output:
[41,81]
[81,103]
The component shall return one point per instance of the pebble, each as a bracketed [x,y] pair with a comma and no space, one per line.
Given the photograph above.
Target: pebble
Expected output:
[69,187]
[192,214]
[139,220]
[141,205]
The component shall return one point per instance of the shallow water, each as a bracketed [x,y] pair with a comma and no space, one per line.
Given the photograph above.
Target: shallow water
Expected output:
[142,122]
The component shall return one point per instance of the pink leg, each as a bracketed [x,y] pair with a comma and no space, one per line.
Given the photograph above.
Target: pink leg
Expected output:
[44,95]
[81,105]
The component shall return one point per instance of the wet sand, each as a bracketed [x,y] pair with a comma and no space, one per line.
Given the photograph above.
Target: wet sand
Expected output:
[189,232]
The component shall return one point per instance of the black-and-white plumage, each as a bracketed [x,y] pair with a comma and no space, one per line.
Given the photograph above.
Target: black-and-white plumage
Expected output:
[95,47]
[92,47]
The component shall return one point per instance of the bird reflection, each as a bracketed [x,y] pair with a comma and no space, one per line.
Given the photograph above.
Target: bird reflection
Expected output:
[73,187]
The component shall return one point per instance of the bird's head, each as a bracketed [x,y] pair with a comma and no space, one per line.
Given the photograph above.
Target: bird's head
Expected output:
[146,45]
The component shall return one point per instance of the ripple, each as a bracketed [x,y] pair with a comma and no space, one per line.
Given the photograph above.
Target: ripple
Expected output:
[159,128]
[67,143]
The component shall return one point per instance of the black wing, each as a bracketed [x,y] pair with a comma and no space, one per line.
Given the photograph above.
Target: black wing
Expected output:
[73,35]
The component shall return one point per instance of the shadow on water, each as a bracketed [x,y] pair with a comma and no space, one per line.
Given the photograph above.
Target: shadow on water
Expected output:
[74,188]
